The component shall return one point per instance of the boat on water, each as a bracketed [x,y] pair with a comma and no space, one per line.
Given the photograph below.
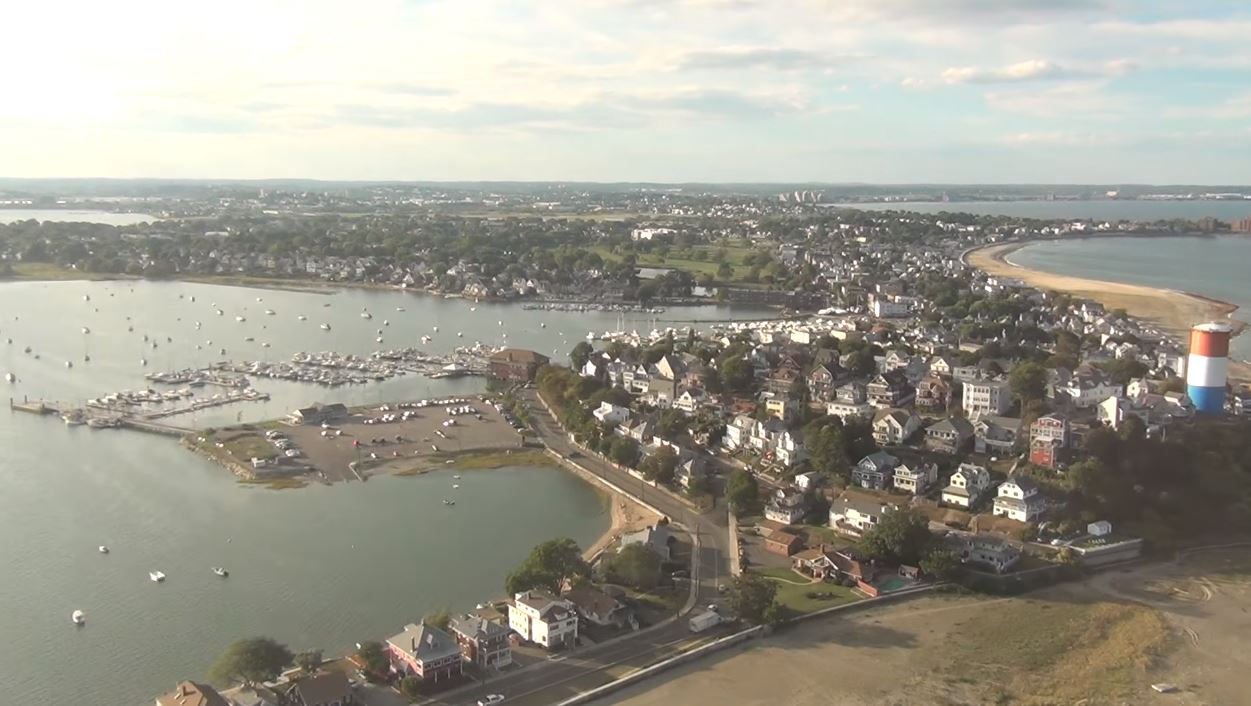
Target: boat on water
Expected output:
[325,327]
[473,308]
[302,317]
[78,617]
[10,378]
[157,576]
[28,350]
[86,330]
[143,361]
[240,319]
[104,549]
[366,315]
[399,308]
[270,312]
[542,324]
[455,486]
[436,329]
[460,334]
[425,339]
[220,571]
[86,297]
[449,503]
[73,419]
[249,339]
[457,476]
[220,312]
[69,363]
[378,339]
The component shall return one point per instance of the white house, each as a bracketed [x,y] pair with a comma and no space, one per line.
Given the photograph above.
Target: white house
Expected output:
[788,450]
[966,485]
[986,397]
[787,506]
[738,433]
[854,514]
[609,413]
[542,618]
[894,426]
[1019,500]
[849,410]
[915,478]
[690,400]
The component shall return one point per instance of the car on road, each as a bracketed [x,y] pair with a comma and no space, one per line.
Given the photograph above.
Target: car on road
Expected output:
[491,700]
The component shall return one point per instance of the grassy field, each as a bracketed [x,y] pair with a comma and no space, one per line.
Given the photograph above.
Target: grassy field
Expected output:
[480,461]
[249,446]
[735,254]
[47,271]
[798,596]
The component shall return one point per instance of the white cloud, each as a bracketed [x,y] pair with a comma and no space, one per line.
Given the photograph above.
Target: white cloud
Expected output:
[1035,70]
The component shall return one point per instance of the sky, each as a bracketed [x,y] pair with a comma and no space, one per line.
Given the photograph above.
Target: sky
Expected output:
[886,91]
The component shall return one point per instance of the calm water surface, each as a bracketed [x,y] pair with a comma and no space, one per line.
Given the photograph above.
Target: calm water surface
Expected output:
[13,215]
[319,567]
[1108,209]
[1214,267]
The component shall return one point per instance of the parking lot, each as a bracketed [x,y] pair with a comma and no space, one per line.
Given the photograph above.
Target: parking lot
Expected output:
[385,436]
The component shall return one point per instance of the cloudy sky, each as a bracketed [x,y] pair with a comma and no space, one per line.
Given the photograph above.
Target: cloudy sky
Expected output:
[664,90]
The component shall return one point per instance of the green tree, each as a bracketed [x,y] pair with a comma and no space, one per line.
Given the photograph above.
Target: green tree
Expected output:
[725,272]
[1028,382]
[941,563]
[737,374]
[900,537]
[580,354]
[308,661]
[547,566]
[752,597]
[374,656]
[635,566]
[742,492]
[411,687]
[438,619]
[251,661]
[624,451]
[660,466]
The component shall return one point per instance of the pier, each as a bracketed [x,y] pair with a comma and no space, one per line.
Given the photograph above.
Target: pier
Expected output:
[94,418]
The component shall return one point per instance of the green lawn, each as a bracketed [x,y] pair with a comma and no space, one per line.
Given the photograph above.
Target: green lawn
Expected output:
[734,256]
[798,600]
[50,271]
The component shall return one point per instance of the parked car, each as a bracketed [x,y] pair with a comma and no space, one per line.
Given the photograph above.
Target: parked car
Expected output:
[491,700]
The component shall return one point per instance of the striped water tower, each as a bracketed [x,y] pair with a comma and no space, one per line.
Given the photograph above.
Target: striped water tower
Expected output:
[1208,367]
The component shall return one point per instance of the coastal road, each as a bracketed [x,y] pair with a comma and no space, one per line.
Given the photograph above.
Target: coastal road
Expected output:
[565,676]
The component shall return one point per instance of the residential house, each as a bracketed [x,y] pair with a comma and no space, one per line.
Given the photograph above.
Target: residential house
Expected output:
[324,689]
[788,449]
[999,555]
[1049,437]
[986,397]
[995,435]
[892,427]
[1019,499]
[942,365]
[874,471]
[787,506]
[807,481]
[848,411]
[948,435]
[782,380]
[827,563]
[890,389]
[598,608]
[655,537]
[782,542]
[966,485]
[779,408]
[425,652]
[852,393]
[482,642]
[738,433]
[542,618]
[821,383]
[915,478]
[691,471]
[189,693]
[933,394]
[661,391]
[609,413]
[854,514]
[690,400]
[516,364]
[1086,388]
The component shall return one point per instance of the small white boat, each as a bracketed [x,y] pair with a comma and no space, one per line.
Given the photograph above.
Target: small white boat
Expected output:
[399,308]
[104,549]
[69,363]
[501,323]
[240,319]
[10,378]
[436,329]
[366,315]
[473,308]
[78,617]
[220,571]
[449,503]
[220,312]
[542,325]
[86,330]
[143,361]
[386,322]
[378,339]
[325,327]
[455,486]
[270,312]
[460,334]
[157,576]
[302,317]
[86,297]
[457,476]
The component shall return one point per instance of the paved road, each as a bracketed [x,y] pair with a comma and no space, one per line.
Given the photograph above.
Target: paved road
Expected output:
[562,677]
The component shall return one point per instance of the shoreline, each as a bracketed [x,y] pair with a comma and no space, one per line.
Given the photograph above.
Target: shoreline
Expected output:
[1173,311]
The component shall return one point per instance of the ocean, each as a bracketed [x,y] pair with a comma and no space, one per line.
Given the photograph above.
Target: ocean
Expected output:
[1103,209]
[1215,267]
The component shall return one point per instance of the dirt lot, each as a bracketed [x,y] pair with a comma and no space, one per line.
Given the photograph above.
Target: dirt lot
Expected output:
[1103,641]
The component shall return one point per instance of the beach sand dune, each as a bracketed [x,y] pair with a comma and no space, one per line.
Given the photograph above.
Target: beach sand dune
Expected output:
[1173,311]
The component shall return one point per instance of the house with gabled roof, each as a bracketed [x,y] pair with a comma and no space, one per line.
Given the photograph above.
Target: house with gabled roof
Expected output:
[948,435]
[540,617]
[894,426]
[425,652]
[874,471]
[1020,499]
[966,485]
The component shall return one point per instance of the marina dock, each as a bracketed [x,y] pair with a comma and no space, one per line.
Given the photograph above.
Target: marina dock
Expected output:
[96,418]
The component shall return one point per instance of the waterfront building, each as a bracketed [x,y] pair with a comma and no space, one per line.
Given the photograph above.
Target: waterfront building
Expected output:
[482,642]
[189,693]
[516,364]
[542,618]
[425,652]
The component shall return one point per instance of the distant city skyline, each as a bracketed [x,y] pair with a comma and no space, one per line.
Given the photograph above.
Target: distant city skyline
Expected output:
[877,91]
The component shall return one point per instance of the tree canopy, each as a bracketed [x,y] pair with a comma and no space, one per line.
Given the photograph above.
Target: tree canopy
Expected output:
[752,597]
[1028,382]
[900,537]
[251,661]
[547,566]
[660,466]
[635,566]
[374,656]
[742,492]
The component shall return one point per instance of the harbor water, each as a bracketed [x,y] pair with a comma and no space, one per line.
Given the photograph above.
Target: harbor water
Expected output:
[316,567]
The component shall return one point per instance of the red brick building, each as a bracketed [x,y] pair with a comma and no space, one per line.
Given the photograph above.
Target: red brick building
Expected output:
[516,364]
[782,542]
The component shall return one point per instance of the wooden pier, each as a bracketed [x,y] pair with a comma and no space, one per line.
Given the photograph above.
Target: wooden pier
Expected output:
[129,421]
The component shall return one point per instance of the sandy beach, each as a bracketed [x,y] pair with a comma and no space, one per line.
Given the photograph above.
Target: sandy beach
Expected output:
[1173,311]
[627,516]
